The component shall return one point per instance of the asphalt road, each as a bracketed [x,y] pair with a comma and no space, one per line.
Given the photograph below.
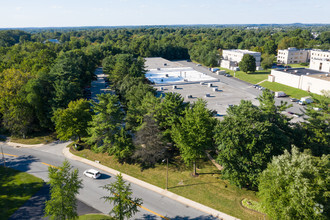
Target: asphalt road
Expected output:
[37,160]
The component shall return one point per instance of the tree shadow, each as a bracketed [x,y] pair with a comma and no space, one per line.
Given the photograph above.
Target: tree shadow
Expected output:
[21,163]
[192,184]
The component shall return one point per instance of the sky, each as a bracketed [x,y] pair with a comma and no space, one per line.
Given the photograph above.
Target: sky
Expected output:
[71,13]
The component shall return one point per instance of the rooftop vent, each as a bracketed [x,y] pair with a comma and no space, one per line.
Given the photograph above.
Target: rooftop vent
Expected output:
[307,74]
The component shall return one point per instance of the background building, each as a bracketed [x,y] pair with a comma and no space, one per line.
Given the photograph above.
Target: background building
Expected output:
[231,58]
[320,60]
[306,79]
[293,55]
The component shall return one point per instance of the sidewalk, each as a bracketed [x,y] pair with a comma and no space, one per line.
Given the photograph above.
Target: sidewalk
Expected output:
[188,202]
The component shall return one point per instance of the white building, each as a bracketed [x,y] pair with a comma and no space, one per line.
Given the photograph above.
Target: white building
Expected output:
[293,55]
[231,58]
[301,78]
[320,60]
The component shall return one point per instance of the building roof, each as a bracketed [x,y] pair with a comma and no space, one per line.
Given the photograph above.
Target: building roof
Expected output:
[159,62]
[243,51]
[305,71]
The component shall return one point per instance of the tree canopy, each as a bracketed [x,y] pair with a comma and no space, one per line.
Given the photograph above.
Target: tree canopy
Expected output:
[248,63]
[296,186]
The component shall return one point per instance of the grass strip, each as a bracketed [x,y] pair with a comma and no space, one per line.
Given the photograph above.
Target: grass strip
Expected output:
[15,189]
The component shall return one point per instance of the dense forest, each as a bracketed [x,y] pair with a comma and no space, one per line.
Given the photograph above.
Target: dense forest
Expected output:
[43,87]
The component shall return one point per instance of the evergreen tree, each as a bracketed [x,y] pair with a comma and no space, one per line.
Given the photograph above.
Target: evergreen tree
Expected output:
[64,186]
[121,196]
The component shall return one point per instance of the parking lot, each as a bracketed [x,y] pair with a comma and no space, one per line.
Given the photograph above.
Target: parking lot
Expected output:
[230,92]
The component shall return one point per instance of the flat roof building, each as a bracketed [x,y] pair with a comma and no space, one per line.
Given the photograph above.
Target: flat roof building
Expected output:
[293,55]
[231,58]
[320,60]
[306,79]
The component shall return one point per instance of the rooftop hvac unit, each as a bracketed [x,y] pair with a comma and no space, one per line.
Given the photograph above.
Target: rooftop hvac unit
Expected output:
[201,83]
[307,74]
[174,87]
[165,64]
[161,88]
[158,68]
[166,75]
[189,96]
[215,89]
[207,95]
[209,84]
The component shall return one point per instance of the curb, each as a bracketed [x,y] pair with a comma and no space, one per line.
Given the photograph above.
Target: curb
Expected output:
[23,145]
[183,200]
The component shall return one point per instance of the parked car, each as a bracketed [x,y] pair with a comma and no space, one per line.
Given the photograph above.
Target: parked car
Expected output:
[227,75]
[198,64]
[294,100]
[91,173]
[280,94]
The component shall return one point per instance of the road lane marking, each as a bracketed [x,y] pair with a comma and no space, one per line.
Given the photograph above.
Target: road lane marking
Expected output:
[155,213]
[10,155]
[50,165]
[148,210]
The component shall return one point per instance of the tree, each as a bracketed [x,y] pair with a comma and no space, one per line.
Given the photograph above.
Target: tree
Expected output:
[296,186]
[106,122]
[247,140]
[64,186]
[72,122]
[267,60]
[18,115]
[270,47]
[248,63]
[149,144]
[317,125]
[193,134]
[121,196]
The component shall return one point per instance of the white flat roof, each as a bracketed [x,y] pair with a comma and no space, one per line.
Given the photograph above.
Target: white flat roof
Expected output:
[177,75]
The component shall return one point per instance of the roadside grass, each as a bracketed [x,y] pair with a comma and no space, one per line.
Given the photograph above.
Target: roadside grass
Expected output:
[15,189]
[95,217]
[252,78]
[297,65]
[208,188]
[290,91]
[38,138]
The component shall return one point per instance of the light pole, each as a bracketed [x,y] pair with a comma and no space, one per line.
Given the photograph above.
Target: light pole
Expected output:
[166,173]
[166,187]
[3,157]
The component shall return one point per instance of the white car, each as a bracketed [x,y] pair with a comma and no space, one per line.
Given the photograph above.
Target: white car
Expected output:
[91,173]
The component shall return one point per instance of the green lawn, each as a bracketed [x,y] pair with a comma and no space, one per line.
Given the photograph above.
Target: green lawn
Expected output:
[95,217]
[208,188]
[253,78]
[41,138]
[297,65]
[15,189]
[290,91]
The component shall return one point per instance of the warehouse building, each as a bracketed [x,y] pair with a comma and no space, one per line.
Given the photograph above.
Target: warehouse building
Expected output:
[231,58]
[306,79]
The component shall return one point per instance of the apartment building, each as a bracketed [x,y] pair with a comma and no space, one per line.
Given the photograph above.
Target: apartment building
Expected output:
[293,55]
[231,58]
[320,60]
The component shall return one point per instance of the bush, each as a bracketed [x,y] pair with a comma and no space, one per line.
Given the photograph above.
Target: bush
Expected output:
[304,64]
